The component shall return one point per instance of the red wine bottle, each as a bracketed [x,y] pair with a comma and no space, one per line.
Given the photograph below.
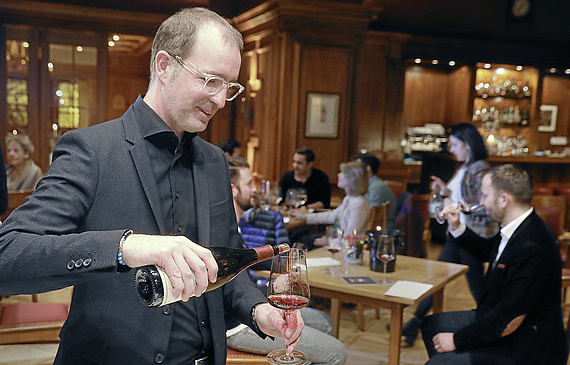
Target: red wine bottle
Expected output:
[154,288]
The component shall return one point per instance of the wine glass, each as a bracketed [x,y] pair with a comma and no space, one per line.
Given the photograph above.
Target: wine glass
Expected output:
[386,252]
[301,199]
[288,289]
[436,206]
[333,240]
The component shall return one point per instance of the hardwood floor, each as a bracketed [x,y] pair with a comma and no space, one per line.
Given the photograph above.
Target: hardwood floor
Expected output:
[369,347]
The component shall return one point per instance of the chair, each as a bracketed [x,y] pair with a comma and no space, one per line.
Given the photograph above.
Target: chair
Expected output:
[552,209]
[378,215]
[236,357]
[565,192]
[15,199]
[543,190]
[22,323]
[397,187]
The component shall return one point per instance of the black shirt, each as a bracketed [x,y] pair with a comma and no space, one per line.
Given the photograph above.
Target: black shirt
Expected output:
[171,159]
[317,186]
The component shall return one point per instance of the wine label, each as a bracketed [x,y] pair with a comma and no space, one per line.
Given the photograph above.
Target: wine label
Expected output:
[167,286]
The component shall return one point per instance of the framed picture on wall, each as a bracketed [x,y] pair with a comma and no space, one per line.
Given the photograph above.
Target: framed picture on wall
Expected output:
[322,115]
[547,118]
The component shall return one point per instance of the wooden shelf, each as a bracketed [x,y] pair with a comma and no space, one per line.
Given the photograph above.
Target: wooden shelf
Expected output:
[530,159]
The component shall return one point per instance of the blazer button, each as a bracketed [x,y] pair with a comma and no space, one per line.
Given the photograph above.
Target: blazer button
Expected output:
[78,263]
[86,262]
[71,264]
[159,358]
[167,309]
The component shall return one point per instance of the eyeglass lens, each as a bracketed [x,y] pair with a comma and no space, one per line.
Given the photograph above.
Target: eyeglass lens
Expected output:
[214,85]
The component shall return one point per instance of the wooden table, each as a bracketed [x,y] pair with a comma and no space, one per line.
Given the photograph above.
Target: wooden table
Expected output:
[437,273]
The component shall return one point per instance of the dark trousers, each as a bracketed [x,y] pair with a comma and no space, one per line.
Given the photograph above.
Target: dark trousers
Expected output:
[498,353]
[446,322]
[451,252]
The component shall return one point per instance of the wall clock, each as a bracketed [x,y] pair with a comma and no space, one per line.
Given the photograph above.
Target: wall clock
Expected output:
[520,9]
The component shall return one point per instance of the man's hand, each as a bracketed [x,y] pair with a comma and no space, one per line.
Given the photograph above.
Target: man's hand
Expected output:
[451,213]
[439,186]
[274,322]
[188,265]
[443,342]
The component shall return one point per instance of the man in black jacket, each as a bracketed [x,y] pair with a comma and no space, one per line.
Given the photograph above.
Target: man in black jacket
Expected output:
[519,318]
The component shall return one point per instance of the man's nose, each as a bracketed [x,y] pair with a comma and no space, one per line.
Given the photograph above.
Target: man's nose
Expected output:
[219,98]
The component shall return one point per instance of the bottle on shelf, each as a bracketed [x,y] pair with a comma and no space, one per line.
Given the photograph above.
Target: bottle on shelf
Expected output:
[154,288]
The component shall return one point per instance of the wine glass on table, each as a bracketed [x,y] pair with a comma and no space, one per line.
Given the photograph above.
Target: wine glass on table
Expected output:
[288,289]
[333,244]
[386,252]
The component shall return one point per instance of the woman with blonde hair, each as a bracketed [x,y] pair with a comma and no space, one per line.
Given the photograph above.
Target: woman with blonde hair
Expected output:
[21,172]
[353,213]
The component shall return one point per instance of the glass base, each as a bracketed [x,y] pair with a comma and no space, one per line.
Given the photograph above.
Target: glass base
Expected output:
[279,357]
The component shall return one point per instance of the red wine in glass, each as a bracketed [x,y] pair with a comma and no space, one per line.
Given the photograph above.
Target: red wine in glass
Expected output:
[333,249]
[288,289]
[288,302]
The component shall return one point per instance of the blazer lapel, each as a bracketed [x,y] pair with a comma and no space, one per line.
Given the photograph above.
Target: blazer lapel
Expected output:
[143,166]
[201,197]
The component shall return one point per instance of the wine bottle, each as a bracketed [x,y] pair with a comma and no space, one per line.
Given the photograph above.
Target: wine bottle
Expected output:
[153,284]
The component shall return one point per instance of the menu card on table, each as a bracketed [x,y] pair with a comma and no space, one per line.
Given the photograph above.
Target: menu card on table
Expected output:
[322,261]
[408,289]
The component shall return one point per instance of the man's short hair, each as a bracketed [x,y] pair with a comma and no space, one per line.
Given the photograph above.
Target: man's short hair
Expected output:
[308,153]
[177,34]
[368,160]
[229,145]
[235,163]
[513,181]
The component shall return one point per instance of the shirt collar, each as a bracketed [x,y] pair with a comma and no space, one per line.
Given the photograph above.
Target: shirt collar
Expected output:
[151,123]
[508,230]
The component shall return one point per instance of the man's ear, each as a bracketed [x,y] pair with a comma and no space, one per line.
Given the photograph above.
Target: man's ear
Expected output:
[163,60]
[235,191]
[504,200]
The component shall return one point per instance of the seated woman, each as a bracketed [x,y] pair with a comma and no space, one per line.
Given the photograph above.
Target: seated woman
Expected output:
[21,173]
[353,213]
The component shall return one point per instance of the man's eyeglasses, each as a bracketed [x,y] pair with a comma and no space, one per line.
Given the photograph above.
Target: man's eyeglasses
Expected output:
[212,83]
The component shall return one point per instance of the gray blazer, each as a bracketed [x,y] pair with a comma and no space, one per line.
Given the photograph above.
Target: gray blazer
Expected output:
[67,233]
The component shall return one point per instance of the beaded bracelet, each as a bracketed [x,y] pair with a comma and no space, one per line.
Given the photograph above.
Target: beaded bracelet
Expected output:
[120,253]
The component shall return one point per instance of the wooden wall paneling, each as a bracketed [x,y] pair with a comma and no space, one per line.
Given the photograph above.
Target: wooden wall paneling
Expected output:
[128,77]
[394,123]
[3,92]
[287,100]
[459,108]
[556,91]
[325,70]
[424,96]
[369,101]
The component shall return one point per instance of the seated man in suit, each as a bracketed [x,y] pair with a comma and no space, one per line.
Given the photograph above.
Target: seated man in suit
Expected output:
[518,319]
[378,192]
[260,227]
